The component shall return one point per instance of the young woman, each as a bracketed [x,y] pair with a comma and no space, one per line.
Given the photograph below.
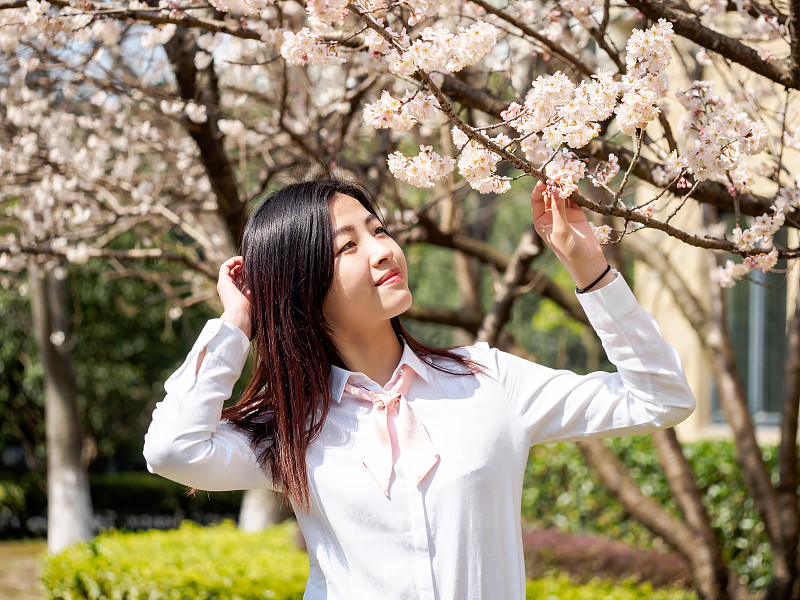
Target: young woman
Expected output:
[403,463]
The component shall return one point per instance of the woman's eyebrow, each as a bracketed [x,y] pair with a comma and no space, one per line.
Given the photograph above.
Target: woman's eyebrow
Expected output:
[350,228]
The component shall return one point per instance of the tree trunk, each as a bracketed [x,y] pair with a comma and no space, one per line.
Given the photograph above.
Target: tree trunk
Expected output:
[708,567]
[788,586]
[69,503]
[710,583]
[733,399]
[261,509]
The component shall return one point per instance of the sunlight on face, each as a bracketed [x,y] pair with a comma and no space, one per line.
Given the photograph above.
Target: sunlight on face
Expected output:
[370,282]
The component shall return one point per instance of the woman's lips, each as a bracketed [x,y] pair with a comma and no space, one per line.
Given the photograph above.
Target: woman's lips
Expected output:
[390,277]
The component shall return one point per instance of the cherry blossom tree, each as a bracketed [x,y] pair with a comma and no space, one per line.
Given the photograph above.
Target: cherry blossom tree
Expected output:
[164,119]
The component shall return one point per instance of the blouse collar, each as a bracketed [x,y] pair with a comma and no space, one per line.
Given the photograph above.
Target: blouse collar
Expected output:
[340,376]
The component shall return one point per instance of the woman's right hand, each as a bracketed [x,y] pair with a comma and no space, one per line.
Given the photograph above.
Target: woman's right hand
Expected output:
[234,294]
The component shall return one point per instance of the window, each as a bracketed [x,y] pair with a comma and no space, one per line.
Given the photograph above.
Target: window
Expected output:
[757,327]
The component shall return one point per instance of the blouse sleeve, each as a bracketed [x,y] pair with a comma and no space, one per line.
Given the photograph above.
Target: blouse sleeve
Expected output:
[649,391]
[186,441]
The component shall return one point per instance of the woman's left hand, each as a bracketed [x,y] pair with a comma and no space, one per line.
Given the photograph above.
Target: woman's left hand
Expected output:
[564,227]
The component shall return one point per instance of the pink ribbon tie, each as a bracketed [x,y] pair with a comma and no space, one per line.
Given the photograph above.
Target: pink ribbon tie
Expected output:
[393,429]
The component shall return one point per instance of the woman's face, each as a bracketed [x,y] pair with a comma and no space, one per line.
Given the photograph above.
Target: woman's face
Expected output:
[370,279]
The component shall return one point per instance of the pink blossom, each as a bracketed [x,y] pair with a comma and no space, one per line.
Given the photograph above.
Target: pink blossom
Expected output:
[421,170]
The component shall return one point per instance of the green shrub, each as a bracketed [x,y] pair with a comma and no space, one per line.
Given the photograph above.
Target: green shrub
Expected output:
[559,587]
[133,500]
[141,492]
[223,563]
[189,563]
[562,491]
[12,496]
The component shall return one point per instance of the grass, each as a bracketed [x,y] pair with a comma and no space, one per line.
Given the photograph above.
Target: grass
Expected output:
[19,570]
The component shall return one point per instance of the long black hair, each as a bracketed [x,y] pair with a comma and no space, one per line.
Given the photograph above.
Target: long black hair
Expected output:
[287,248]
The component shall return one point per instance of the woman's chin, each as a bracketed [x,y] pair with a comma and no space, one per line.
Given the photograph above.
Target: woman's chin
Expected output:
[403,305]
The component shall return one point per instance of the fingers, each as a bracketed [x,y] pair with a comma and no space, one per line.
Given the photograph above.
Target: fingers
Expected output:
[560,209]
[233,268]
[539,200]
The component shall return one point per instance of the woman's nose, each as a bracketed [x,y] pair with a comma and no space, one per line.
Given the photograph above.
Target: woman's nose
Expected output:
[380,251]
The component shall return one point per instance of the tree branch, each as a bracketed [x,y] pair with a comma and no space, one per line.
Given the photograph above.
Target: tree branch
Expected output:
[555,48]
[201,87]
[624,488]
[513,278]
[132,254]
[711,574]
[779,71]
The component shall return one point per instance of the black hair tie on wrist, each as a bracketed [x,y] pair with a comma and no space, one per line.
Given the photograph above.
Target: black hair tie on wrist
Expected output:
[594,283]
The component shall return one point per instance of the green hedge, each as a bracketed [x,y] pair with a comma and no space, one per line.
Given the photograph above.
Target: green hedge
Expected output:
[192,562]
[222,563]
[558,587]
[130,500]
[562,491]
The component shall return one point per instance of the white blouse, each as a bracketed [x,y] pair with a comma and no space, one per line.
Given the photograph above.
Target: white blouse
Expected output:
[458,535]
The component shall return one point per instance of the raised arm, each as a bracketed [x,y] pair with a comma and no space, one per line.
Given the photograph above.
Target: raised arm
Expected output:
[186,441]
[649,390]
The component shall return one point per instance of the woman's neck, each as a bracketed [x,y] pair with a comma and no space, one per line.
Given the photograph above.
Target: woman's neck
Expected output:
[375,353]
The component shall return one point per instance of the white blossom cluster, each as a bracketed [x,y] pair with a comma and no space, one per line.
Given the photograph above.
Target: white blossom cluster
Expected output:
[718,138]
[606,170]
[390,113]
[582,9]
[761,231]
[759,234]
[752,26]
[39,16]
[306,48]
[565,171]
[158,36]
[323,13]
[788,197]
[439,49]
[648,54]
[762,28]
[602,233]
[673,166]
[75,173]
[244,7]
[421,170]
[728,275]
[478,165]
[562,112]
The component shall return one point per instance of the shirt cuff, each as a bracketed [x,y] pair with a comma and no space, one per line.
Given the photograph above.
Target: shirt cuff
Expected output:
[224,340]
[609,303]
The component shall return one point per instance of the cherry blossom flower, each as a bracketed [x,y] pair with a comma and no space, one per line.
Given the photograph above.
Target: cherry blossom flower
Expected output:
[478,165]
[202,60]
[606,171]
[305,48]
[648,54]
[763,262]
[602,233]
[565,170]
[197,113]
[158,36]
[718,137]
[326,12]
[391,113]
[244,7]
[728,275]
[438,49]
[421,170]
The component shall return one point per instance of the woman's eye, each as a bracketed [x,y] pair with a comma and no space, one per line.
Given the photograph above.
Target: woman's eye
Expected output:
[382,230]
[347,246]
